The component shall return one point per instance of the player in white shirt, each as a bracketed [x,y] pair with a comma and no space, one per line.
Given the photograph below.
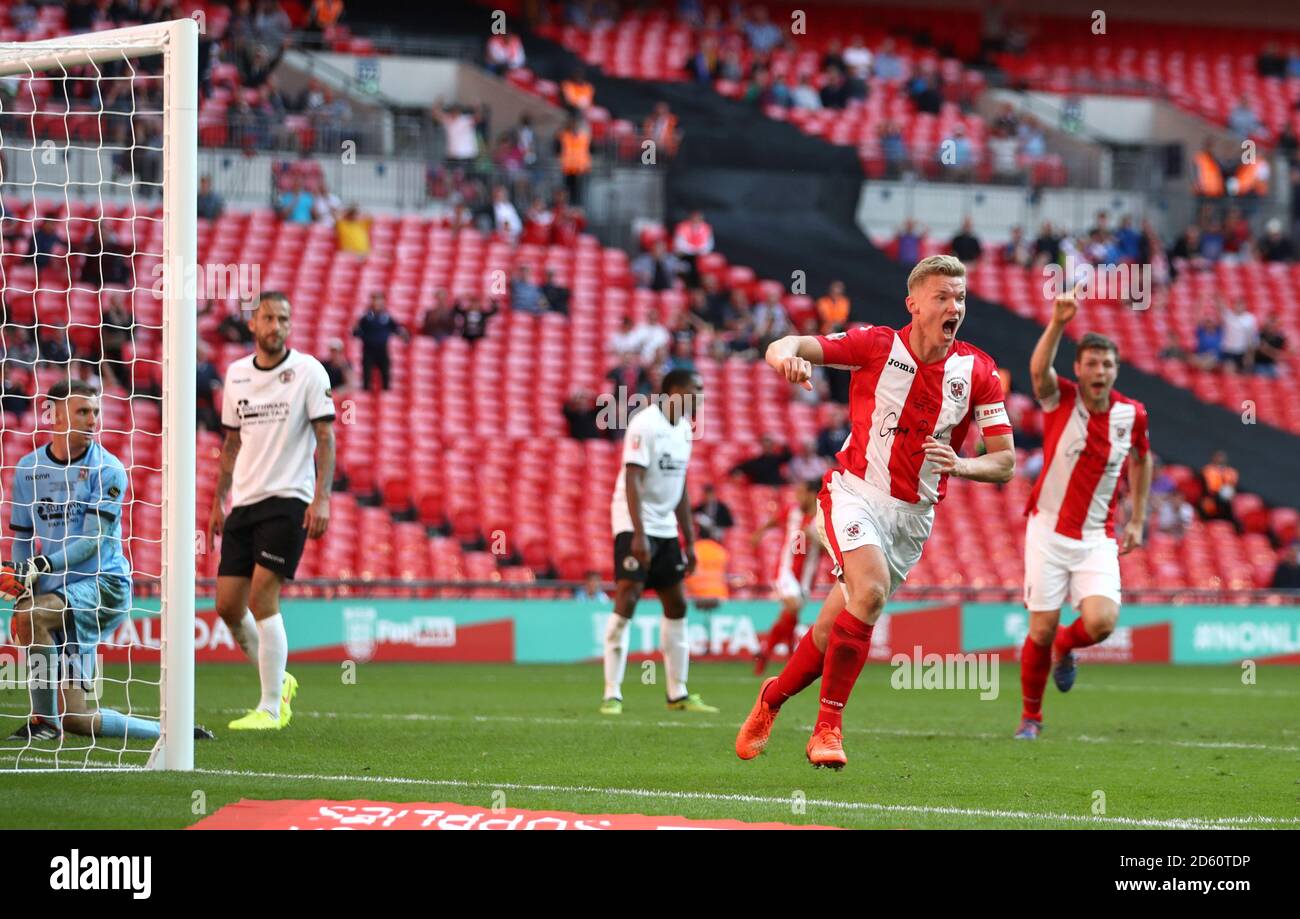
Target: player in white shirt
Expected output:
[278,411]
[650,507]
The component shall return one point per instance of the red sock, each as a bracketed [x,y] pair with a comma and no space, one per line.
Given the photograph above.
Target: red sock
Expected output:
[782,632]
[1076,636]
[846,652]
[802,670]
[1035,664]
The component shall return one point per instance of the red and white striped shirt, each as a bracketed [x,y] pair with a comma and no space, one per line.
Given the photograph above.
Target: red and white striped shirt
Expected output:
[1083,456]
[800,542]
[895,402]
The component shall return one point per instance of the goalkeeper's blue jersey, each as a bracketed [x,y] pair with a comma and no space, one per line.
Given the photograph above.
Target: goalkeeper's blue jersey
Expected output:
[52,500]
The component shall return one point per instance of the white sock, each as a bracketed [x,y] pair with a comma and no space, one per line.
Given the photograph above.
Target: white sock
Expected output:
[677,654]
[273,654]
[245,635]
[615,655]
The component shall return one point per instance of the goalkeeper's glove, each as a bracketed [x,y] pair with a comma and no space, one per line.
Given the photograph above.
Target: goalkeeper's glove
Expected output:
[18,579]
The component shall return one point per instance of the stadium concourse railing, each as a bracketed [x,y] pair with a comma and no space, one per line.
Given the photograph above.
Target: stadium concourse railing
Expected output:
[401,588]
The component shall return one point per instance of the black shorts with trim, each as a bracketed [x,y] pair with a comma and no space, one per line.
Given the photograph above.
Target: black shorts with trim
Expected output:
[269,533]
[667,563]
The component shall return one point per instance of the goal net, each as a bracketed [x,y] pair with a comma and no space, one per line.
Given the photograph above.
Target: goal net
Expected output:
[98,149]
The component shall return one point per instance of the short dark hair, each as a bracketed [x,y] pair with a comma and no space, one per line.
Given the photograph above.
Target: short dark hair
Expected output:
[270,295]
[1095,341]
[678,379]
[70,387]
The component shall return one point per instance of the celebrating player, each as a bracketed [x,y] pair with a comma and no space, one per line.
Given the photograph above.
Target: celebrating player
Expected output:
[912,397]
[649,507]
[278,410]
[70,597]
[796,567]
[1089,430]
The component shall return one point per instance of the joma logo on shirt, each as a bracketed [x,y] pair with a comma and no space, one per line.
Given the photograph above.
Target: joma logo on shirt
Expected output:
[895,362]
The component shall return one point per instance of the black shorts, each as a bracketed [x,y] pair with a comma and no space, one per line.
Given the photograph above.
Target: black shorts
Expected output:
[667,563]
[269,533]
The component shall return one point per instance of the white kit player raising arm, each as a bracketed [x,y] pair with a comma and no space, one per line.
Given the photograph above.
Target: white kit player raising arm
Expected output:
[650,515]
[278,411]
[913,396]
[1090,432]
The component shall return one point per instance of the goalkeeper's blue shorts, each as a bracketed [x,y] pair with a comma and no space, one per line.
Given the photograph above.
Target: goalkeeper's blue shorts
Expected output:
[96,606]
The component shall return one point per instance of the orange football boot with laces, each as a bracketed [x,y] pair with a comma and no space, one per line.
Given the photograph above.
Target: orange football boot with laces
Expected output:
[758,725]
[826,747]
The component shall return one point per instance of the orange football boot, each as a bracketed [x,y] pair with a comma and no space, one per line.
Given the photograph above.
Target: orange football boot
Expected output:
[757,727]
[826,747]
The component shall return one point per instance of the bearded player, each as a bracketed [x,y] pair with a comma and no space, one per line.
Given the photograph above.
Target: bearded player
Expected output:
[912,397]
[278,411]
[796,566]
[1089,433]
[68,598]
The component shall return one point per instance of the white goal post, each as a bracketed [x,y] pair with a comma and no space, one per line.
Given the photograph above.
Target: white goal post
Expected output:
[177,44]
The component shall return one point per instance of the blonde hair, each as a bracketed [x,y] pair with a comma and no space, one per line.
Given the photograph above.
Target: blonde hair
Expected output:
[947,265]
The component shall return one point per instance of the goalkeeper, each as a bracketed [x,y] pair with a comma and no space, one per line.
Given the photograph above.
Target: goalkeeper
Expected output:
[68,494]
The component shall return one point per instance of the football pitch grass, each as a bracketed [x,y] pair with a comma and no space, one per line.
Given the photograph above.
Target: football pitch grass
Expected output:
[1166,747]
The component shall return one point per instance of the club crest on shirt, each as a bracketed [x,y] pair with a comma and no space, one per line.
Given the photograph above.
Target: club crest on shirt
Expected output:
[83,474]
[286,376]
[853,530]
[957,388]
[636,441]
[1121,433]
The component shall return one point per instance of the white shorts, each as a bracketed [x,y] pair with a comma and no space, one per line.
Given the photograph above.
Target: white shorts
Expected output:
[1056,565]
[787,587]
[862,515]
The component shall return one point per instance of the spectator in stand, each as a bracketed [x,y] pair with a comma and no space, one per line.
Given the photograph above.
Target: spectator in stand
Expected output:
[629,376]
[505,219]
[1208,174]
[714,302]
[830,439]
[296,203]
[1016,251]
[857,59]
[661,127]
[568,222]
[375,327]
[505,53]
[1003,150]
[525,296]
[956,155]
[966,245]
[771,321]
[908,243]
[657,269]
[806,465]
[1173,349]
[1240,335]
[707,585]
[1220,481]
[925,90]
[893,148]
[460,123]
[573,146]
[692,238]
[48,244]
[107,260]
[337,366]
[324,16]
[1033,143]
[439,320]
[835,90]
[209,382]
[888,65]
[556,297]
[210,204]
[1271,62]
[114,336]
[833,309]
[234,328]
[762,34]
[765,468]
[1047,247]
[577,94]
[703,63]
[1286,576]
[681,356]
[805,95]
[713,511]
[1209,341]
[1242,120]
[538,220]
[472,317]
[1188,249]
[15,394]
[353,231]
[261,63]
[1274,247]
[590,590]
[1270,352]
[582,415]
